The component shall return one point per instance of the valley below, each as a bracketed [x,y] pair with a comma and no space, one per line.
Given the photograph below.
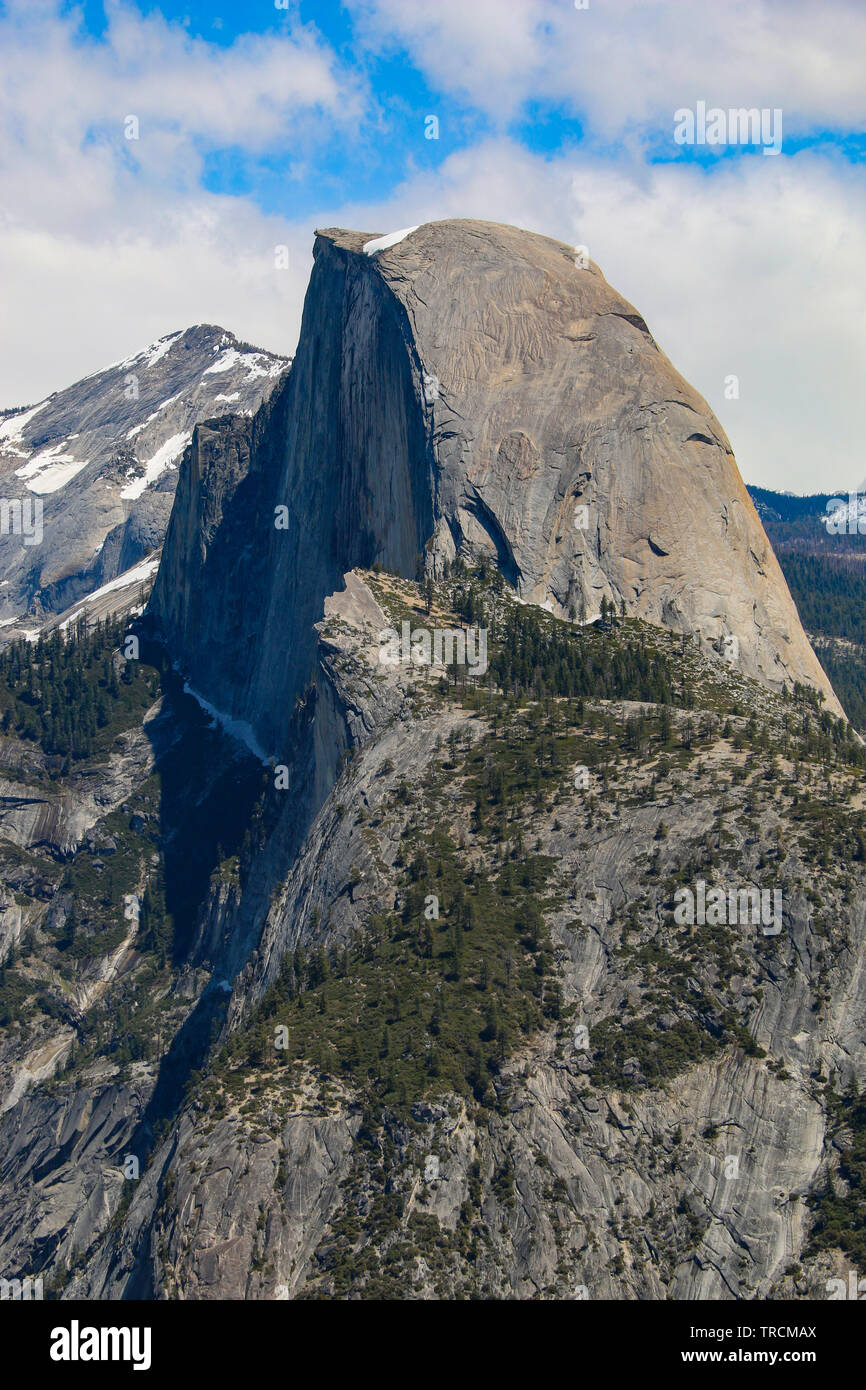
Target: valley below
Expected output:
[329,970]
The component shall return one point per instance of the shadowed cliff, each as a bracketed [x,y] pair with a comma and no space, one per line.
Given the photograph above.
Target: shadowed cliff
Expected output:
[467,390]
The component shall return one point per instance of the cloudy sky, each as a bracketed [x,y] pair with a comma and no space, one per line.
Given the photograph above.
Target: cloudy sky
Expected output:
[258,121]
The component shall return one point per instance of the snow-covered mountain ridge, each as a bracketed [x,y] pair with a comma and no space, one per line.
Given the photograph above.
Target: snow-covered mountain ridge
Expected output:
[87,476]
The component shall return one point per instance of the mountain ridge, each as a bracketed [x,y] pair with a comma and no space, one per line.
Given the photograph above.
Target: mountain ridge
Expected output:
[369,469]
[101,458]
[410,1011]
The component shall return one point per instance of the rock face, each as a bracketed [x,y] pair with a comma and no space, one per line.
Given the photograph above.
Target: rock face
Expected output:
[468,389]
[459,392]
[101,458]
[691,1187]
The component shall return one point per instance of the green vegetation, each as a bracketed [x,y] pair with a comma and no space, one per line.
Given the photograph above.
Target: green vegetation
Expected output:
[830,594]
[826,574]
[419,1004]
[847,671]
[378,1256]
[73,696]
[840,1204]
[541,658]
[796,525]
[456,967]
[534,656]
[14,990]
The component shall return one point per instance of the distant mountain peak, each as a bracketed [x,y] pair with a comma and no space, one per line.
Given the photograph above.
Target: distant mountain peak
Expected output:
[102,457]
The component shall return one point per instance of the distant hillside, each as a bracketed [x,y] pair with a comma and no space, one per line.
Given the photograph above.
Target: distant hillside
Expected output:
[798,523]
[827,578]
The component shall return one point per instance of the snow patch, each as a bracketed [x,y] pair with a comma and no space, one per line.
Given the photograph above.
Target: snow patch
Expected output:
[156,351]
[137,575]
[12,427]
[237,729]
[225,361]
[381,243]
[257,364]
[50,470]
[148,356]
[136,429]
[164,457]
[53,479]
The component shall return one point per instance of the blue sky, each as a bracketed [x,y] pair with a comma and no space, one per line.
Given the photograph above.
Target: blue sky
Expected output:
[257,123]
[401,98]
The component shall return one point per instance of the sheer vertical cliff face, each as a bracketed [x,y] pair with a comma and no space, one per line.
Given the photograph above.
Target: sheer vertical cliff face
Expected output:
[582,1175]
[335,471]
[462,390]
[469,388]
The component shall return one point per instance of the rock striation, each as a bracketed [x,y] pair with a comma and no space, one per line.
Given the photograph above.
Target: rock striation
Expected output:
[690,1188]
[467,389]
[101,459]
[460,390]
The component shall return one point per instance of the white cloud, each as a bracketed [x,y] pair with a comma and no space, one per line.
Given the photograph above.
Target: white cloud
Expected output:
[754,270]
[179,87]
[622,63]
[72,306]
[107,243]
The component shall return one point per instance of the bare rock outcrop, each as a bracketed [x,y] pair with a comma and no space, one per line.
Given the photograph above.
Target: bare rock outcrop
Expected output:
[466,389]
